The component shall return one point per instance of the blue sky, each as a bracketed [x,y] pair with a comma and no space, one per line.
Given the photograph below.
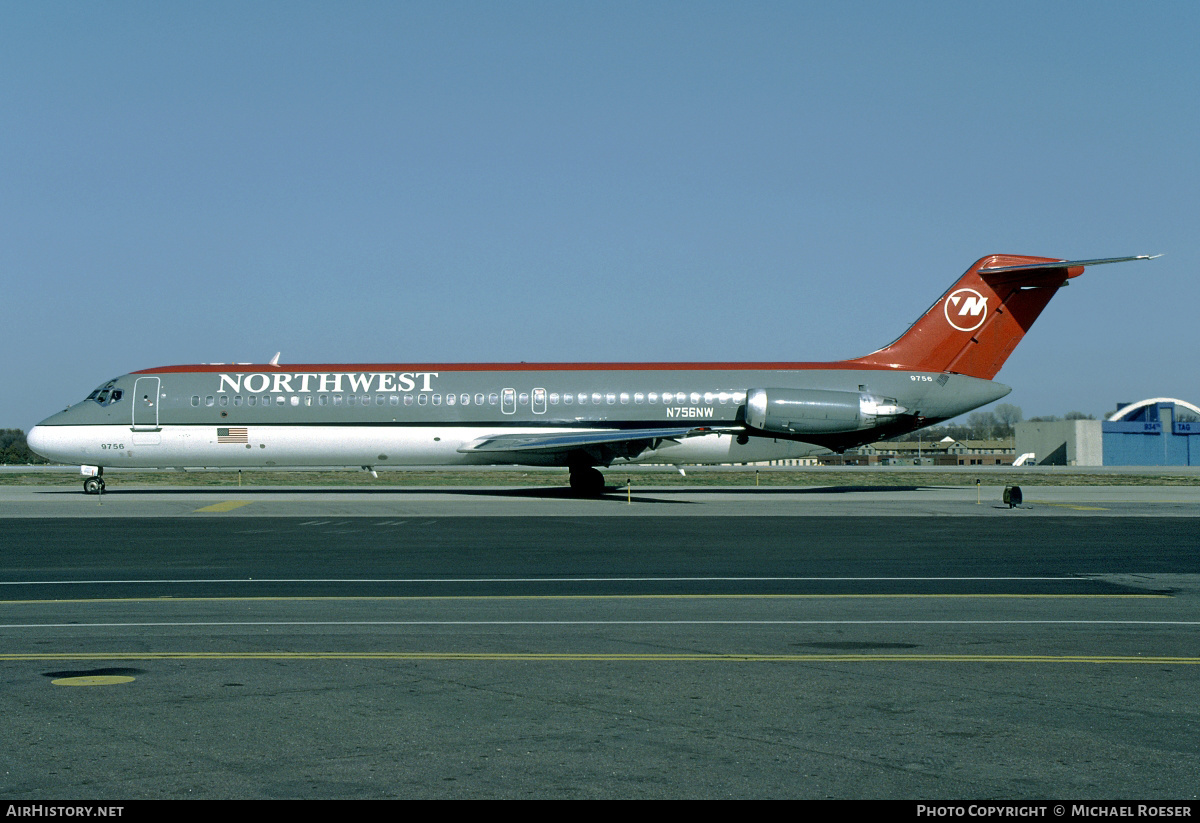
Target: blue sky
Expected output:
[569,181]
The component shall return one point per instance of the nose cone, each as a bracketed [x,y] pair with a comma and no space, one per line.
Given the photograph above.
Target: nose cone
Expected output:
[38,441]
[53,442]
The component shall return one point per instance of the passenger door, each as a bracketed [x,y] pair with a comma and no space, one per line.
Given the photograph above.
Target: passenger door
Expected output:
[145,404]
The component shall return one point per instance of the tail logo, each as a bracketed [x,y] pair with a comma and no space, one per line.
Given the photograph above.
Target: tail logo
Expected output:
[965,307]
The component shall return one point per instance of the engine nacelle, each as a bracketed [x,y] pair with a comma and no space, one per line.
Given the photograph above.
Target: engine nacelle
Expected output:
[817,411]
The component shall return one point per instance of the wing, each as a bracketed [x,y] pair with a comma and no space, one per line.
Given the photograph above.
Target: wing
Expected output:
[625,442]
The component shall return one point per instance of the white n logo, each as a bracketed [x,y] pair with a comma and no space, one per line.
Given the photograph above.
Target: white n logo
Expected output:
[964,304]
[973,306]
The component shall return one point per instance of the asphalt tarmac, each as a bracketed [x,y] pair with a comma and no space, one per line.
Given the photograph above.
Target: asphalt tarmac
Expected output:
[801,643]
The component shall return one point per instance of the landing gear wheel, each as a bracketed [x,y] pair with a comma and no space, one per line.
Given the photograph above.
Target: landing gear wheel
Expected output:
[587,481]
[93,485]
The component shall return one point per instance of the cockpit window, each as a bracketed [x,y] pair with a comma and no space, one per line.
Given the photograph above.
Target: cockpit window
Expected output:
[106,395]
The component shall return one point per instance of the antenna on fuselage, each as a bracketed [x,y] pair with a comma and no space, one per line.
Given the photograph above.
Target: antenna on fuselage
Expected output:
[275,359]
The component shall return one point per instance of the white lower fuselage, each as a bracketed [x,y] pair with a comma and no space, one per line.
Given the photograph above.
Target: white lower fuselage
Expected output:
[116,446]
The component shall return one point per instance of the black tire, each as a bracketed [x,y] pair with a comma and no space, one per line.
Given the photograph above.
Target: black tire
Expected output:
[587,481]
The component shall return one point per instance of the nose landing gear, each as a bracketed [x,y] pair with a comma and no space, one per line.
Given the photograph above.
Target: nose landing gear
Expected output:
[95,483]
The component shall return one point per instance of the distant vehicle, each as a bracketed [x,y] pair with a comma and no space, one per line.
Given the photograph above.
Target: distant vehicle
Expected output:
[577,415]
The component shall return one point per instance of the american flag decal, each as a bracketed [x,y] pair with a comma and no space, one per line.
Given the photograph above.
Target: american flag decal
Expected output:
[233,435]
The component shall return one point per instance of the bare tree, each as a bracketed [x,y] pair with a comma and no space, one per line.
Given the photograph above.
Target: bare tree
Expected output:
[982,425]
[1009,416]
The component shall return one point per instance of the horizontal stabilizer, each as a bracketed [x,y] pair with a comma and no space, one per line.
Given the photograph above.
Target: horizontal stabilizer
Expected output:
[1065,264]
[566,441]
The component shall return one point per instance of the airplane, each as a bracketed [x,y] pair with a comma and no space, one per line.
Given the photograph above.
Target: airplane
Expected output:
[575,415]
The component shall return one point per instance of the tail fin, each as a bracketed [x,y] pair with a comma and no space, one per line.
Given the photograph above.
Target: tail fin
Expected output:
[974,327]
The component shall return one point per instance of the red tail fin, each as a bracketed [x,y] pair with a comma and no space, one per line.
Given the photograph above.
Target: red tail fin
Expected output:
[974,327]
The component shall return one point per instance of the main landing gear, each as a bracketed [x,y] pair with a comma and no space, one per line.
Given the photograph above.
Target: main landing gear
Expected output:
[587,481]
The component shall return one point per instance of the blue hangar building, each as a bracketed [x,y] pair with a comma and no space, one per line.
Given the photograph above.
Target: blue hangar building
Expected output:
[1149,433]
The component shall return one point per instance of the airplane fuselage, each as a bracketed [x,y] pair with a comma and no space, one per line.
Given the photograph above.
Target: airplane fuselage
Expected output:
[382,415]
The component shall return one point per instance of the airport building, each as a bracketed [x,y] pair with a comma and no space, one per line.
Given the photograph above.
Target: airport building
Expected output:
[944,452]
[1061,442]
[1150,433]
[1147,433]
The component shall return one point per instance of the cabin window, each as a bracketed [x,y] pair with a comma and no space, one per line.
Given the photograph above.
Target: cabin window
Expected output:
[208,401]
[323,400]
[393,400]
[597,398]
[437,400]
[422,399]
[653,398]
[638,398]
[295,400]
[451,399]
[624,398]
[408,399]
[223,400]
[610,398]
[195,400]
[337,400]
[493,399]
[523,398]
[479,400]
[352,400]
[250,401]
[568,399]
[553,398]
[723,397]
[237,400]
[709,397]
[465,399]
